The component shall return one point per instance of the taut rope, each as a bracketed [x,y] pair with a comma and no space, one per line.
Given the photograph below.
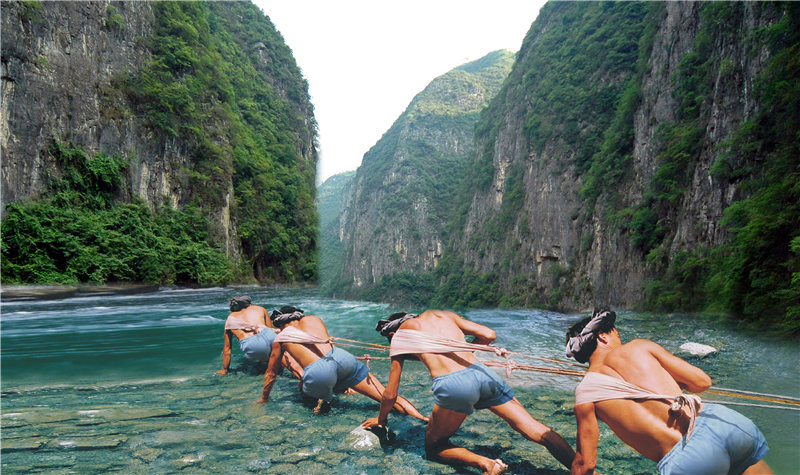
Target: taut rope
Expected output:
[791,403]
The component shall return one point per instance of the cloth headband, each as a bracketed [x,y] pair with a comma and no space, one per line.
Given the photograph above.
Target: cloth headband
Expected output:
[590,331]
[283,318]
[239,303]
[391,324]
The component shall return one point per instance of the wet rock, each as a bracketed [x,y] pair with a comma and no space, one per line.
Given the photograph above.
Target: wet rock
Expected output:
[147,454]
[294,457]
[284,468]
[362,439]
[16,445]
[311,467]
[332,459]
[87,443]
[697,349]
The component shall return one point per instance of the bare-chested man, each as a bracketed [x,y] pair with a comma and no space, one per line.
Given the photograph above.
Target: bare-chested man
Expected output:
[250,325]
[636,389]
[460,384]
[326,369]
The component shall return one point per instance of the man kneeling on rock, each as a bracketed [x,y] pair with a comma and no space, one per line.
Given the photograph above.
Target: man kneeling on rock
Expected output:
[326,369]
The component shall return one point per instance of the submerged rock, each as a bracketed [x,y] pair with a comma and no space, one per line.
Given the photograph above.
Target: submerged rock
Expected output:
[362,439]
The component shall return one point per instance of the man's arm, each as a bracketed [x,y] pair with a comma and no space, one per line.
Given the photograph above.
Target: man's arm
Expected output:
[273,368]
[688,376]
[588,435]
[483,334]
[389,396]
[265,317]
[226,354]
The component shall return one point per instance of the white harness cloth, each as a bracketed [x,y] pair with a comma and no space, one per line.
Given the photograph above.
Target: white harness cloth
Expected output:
[597,387]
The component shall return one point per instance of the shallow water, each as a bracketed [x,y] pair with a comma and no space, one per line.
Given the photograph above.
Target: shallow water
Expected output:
[95,382]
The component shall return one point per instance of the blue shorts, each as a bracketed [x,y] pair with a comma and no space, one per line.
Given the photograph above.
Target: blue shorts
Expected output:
[259,346]
[723,442]
[333,373]
[474,387]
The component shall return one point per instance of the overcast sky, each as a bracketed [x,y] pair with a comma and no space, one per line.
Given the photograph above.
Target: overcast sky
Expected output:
[365,60]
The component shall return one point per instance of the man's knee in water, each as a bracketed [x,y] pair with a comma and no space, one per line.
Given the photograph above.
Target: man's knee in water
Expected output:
[434,448]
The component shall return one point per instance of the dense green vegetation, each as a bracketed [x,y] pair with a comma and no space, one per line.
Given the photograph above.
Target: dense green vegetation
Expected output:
[222,84]
[77,232]
[206,82]
[755,275]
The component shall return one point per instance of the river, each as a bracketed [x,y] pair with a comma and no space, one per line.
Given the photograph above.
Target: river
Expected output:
[97,381]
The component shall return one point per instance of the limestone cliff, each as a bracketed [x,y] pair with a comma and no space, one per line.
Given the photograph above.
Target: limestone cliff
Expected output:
[121,78]
[568,240]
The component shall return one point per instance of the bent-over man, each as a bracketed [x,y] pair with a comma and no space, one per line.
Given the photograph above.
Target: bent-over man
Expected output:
[250,325]
[636,389]
[326,369]
[461,384]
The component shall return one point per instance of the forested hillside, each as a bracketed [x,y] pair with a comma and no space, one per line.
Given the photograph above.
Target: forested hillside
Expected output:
[154,142]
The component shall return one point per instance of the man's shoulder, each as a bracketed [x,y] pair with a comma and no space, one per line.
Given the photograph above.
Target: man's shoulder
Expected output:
[639,343]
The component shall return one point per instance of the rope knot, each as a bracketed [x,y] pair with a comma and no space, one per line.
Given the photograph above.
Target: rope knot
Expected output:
[366,358]
[501,352]
[511,365]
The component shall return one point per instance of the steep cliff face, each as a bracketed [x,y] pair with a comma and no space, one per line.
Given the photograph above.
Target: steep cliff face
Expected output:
[59,60]
[569,239]
[393,220]
[129,79]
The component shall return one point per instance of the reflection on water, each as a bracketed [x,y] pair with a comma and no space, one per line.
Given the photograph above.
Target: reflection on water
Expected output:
[92,383]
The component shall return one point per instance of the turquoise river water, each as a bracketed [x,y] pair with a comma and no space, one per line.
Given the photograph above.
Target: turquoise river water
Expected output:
[96,382]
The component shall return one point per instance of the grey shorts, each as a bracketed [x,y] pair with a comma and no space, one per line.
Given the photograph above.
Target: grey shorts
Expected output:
[333,373]
[724,442]
[474,387]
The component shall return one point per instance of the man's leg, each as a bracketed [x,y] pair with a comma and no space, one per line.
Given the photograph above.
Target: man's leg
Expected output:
[292,365]
[759,468]
[521,421]
[444,424]
[372,388]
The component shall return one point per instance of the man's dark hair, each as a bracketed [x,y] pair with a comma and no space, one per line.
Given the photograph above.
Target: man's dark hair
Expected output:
[388,326]
[588,346]
[286,314]
[239,302]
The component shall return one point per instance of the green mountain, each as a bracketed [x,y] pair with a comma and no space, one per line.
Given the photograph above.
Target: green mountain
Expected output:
[392,221]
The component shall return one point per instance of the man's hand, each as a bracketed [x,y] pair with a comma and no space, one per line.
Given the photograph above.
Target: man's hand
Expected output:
[370,423]
[222,372]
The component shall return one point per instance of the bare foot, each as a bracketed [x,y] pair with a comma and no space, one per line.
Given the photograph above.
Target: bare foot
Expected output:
[497,468]
[322,407]
[349,392]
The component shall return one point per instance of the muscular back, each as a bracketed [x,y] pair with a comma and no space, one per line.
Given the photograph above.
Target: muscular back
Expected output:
[647,425]
[449,325]
[308,353]
[254,315]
